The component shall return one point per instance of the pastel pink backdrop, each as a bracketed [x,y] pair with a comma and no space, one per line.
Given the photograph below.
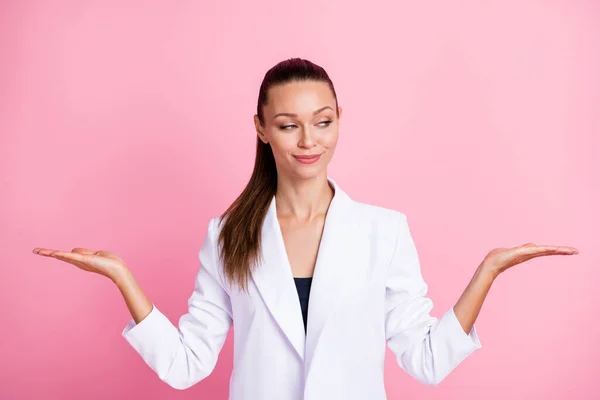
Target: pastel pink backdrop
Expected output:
[128,125]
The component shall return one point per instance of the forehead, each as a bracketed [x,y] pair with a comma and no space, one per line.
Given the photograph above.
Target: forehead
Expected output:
[299,97]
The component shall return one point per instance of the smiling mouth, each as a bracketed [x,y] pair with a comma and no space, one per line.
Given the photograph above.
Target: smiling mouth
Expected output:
[312,156]
[308,159]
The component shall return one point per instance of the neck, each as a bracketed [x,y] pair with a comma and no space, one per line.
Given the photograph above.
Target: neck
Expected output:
[303,199]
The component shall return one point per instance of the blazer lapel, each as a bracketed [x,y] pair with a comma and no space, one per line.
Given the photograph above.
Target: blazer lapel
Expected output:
[341,264]
[274,279]
[341,257]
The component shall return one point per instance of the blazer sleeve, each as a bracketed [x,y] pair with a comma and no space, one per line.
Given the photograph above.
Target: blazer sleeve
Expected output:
[425,347]
[184,355]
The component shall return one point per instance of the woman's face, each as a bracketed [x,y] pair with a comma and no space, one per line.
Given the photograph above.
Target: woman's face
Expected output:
[300,120]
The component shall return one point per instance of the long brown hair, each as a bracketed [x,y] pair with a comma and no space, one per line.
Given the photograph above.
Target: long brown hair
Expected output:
[239,237]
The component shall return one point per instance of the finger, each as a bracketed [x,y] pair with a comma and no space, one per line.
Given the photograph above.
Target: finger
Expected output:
[43,251]
[542,254]
[530,250]
[90,252]
[556,247]
[83,250]
[68,256]
[71,258]
[109,254]
[79,264]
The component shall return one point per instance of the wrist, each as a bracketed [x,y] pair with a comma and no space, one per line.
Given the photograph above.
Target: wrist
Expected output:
[487,272]
[120,275]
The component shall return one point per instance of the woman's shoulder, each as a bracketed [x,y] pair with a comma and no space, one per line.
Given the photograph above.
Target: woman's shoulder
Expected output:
[379,214]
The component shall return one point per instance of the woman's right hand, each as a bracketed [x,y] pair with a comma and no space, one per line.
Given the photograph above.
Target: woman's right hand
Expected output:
[112,266]
[100,262]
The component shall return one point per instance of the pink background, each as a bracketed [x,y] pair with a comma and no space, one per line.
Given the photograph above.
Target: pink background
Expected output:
[127,125]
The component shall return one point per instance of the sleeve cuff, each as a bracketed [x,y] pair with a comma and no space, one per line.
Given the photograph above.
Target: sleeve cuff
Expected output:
[146,334]
[465,343]
[131,324]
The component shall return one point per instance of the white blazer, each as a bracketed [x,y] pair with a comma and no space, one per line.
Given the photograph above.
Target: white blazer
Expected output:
[367,292]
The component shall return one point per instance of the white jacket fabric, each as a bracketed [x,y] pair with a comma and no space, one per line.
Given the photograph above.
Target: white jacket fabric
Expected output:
[367,292]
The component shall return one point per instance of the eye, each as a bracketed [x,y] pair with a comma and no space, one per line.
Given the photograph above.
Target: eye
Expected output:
[323,124]
[286,127]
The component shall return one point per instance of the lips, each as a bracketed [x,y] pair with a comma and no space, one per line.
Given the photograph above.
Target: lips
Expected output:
[310,159]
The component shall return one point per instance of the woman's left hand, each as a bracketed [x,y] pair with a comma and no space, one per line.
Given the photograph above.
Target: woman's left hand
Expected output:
[501,259]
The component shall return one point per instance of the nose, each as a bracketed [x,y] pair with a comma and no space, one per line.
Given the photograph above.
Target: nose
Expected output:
[307,137]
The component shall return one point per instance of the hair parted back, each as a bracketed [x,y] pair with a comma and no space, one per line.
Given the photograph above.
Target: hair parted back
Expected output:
[239,237]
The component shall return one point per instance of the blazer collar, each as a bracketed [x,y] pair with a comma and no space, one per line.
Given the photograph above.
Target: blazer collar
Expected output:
[340,258]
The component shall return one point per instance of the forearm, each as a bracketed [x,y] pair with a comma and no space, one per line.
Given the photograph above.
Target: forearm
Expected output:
[469,304]
[136,300]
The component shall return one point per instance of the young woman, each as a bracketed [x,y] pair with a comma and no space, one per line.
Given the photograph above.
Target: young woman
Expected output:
[293,235]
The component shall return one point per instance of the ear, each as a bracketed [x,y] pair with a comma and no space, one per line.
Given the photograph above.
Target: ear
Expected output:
[339,114]
[260,130]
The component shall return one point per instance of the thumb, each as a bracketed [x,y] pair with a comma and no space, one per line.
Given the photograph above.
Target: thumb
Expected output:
[82,250]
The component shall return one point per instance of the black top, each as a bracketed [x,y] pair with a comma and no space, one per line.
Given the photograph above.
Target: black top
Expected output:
[303,288]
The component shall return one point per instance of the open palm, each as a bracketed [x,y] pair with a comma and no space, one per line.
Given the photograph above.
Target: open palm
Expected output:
[501,259]
[101,262]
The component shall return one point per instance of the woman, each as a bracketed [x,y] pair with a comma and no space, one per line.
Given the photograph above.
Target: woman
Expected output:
[294,234]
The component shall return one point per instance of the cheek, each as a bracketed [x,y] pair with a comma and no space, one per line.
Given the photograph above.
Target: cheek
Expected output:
[282,145]
[330,140]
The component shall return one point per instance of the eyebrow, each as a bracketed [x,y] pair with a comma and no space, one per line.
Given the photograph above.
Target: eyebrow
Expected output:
[296,115]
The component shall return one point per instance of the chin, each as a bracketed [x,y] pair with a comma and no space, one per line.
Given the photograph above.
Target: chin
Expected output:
[308,173]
